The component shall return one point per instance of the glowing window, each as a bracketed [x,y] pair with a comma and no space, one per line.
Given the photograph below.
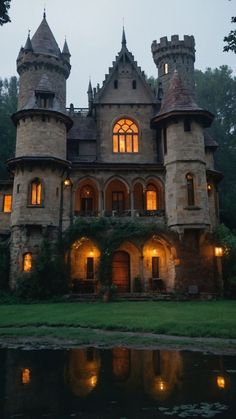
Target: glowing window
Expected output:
[7,203]
[36,192]
[151,198]
[25,376]
[27,262]
[190,189]
[166,68]
[125,137]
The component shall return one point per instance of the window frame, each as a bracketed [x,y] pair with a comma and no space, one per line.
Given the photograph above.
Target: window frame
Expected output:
[125,136]
[39,203]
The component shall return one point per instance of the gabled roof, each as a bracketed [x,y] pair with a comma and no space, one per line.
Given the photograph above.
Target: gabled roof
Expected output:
[123,55]
[43,40]
[179,100]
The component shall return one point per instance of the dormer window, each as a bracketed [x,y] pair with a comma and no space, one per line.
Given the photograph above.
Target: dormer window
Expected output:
[166,68]
[44,99]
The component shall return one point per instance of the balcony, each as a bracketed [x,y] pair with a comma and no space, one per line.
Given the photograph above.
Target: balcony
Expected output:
[139,215]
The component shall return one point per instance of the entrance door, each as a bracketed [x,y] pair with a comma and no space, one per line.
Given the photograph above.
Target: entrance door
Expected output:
[121,271]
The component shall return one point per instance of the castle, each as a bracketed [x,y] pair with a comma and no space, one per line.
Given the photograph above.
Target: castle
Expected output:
[135,154]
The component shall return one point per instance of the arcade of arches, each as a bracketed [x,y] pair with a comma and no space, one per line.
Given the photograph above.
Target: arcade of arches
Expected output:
[117,197]
[153,263]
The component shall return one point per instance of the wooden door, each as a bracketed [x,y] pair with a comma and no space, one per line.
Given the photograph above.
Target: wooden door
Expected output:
[121,271]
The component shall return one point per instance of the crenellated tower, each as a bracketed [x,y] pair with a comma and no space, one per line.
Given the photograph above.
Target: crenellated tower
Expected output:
[40,161]
[174,55]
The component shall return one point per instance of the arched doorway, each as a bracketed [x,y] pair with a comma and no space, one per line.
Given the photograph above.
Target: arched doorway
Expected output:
[121,271]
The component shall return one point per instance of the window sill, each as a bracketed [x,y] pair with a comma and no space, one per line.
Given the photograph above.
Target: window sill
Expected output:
[35,206]
[192,208]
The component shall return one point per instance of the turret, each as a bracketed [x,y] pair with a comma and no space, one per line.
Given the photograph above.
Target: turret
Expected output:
[173,55]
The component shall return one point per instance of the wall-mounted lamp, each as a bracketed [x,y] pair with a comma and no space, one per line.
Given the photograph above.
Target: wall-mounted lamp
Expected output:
[218,251]
[67,182]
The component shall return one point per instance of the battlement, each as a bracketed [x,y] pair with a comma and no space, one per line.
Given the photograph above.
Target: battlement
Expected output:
[174,46]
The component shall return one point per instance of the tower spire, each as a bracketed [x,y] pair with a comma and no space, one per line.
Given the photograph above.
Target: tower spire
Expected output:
[44,12]
[123,42]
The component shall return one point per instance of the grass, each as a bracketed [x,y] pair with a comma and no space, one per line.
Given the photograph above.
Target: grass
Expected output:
[191,319]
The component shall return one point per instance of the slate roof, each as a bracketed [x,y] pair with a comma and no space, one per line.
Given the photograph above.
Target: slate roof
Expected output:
[43,40]
[84,128]
[209,141]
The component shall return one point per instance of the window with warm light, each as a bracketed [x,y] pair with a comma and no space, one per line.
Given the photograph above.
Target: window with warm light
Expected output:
[25,376]
[166,68]
[7,203]
[190,189]
[27,262]
[125,137]
[36,192]
[151,198]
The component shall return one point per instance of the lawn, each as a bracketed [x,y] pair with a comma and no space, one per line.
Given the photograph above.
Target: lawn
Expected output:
[192,319]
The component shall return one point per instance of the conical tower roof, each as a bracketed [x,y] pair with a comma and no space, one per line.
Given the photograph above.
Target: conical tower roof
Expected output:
[65,50]
[28,44]
[43,40]
[180,101]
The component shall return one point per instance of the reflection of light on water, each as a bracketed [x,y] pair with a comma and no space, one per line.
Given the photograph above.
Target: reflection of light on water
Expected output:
[25,376]
[220,381]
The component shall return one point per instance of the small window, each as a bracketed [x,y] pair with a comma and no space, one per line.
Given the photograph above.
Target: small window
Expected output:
[166,68]
[115,84]
[18,188]
[36,192]
[7,203]
[27,262]
[44,100]
[187,125]
[164,141]
[25,376]
[134,84]
[118,201]
[90,268]
[190,189]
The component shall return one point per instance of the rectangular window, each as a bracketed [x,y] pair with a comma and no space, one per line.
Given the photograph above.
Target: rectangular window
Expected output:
[151,200]
[36,193]
[7,203]
[117,201]
[155,267]
[90,268]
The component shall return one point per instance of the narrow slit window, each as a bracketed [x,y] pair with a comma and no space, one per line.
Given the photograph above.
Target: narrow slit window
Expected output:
[166,68]
[27,262]
[36,192]
[115,84]
[190,189]
[134,84]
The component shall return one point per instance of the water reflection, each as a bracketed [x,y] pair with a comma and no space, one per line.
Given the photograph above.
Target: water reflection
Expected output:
[121,382]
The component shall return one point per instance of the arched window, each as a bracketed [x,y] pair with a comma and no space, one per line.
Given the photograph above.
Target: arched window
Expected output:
[151,198]
[87,199]
[35,192]
[166,68]
[27,262]
[190,189]
[125,137]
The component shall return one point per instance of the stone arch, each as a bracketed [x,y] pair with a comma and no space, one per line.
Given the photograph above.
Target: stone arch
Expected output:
[116,195]
[86,197]
[159,263]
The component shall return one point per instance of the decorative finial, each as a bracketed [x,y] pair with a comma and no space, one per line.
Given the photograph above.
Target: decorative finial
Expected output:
[123,42]
[28,33]
[44,12]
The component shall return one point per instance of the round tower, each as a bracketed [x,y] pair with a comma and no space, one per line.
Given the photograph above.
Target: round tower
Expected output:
[174,55]
[40,163]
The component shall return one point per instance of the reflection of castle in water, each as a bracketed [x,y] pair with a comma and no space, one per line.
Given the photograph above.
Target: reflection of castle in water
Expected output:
[55,382]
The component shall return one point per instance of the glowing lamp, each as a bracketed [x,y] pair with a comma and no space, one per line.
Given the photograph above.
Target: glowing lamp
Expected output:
[67,182]
[209,187]
[220,381]
[218,252]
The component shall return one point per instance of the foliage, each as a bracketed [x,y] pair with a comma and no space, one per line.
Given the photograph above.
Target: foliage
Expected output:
[8,105]
[108,234]
[4,7]
[4,265]
[137,284]
[47,279]
[227,239]
[216,91]
[231,39]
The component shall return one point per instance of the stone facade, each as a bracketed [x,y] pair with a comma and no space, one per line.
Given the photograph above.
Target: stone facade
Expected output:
[135,154]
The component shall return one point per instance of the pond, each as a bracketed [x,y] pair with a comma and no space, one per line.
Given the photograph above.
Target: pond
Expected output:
[117,383]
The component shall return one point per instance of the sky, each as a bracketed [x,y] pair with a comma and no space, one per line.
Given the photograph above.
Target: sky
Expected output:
[93,31]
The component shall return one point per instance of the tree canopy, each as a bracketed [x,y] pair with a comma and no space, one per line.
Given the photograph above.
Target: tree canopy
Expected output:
[231,39]
[4,7]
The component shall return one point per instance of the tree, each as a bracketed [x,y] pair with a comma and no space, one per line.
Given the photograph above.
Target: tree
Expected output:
[8,105]
[216,91]
[231,39]
[4,7]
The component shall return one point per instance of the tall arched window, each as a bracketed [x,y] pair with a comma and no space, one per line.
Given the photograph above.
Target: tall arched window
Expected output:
[35,192]
[27,262]
[190,189]
[125,137]
[151,198]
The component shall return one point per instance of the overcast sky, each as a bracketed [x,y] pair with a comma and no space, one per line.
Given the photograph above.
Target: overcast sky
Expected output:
[93,31]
